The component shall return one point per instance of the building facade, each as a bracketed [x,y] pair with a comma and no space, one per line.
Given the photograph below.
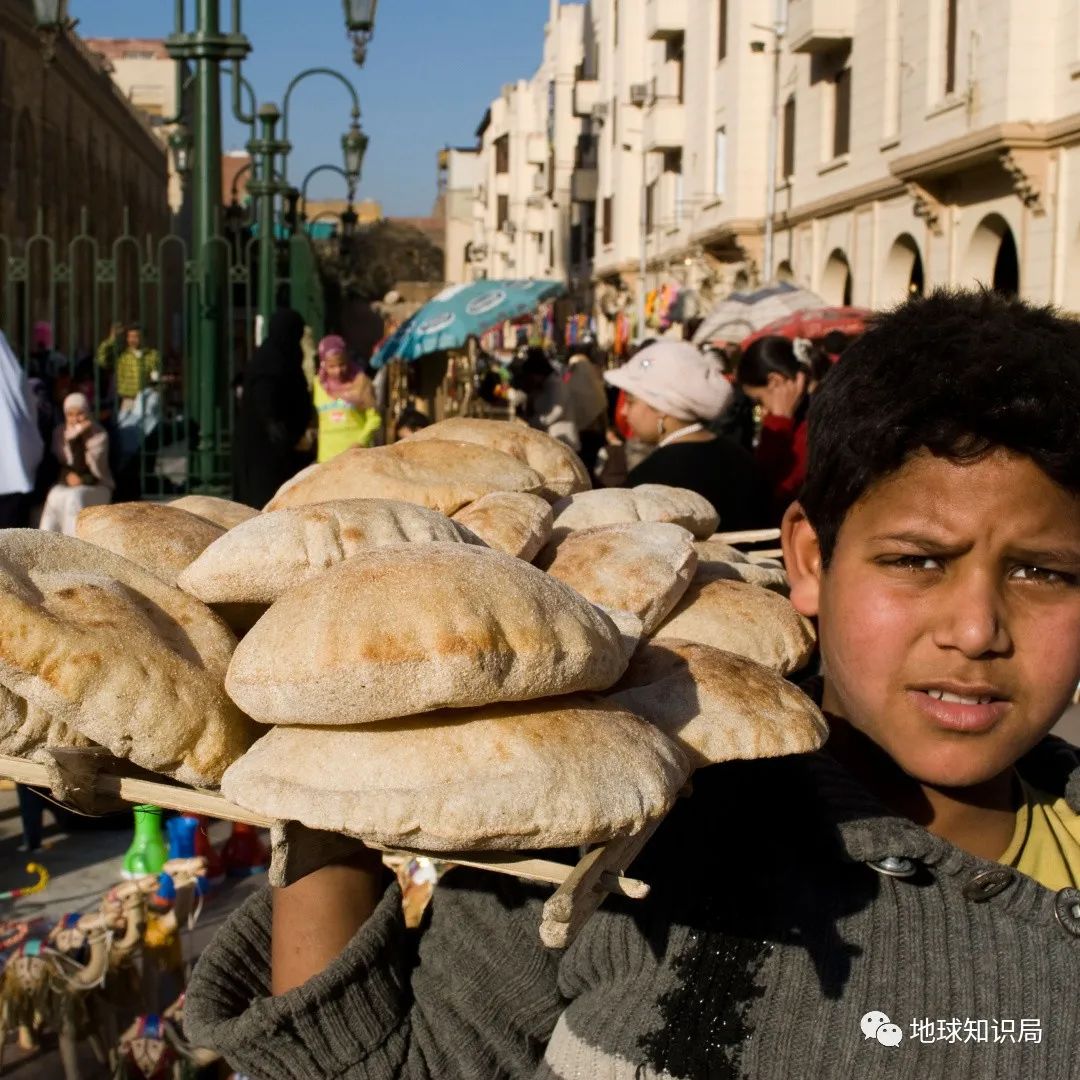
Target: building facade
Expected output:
[146,76]
[77,160]
[917,143]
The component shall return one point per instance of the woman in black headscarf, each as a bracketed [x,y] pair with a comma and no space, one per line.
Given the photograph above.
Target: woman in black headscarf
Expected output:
[274,413]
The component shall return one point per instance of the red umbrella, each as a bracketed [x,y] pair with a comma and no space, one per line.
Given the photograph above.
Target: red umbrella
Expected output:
[815,323]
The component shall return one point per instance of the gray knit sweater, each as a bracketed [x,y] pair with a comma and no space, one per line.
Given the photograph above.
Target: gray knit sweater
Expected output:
[776,922]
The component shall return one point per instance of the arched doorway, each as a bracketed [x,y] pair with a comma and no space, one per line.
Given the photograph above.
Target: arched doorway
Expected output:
[1007,267]
[903,275]
[836,280]
[785,273]
[992,256]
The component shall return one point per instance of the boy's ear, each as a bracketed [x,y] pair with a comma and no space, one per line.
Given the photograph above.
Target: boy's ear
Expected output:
[802,557]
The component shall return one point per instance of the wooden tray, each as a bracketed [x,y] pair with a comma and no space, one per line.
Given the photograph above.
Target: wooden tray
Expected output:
[580,890]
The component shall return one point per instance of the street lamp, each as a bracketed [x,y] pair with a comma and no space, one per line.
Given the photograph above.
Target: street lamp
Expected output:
[360,22]
[52,21]
[291,196]
[349,218]
[180,143]
[354,146]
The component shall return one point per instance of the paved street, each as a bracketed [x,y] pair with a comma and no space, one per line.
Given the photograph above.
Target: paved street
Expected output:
[83,865]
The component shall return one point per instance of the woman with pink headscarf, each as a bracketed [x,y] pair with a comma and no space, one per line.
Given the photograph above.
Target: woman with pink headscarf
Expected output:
[344,401]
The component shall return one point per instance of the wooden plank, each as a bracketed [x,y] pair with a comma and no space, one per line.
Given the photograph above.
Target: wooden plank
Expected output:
[194,801]
[761,556]
[748,536]
[575,901]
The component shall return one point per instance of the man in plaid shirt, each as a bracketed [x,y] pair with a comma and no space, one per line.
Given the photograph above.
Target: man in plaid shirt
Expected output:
[134,367]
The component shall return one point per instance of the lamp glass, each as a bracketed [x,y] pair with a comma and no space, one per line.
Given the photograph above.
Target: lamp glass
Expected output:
[354,146]
[360,15]
[50,13]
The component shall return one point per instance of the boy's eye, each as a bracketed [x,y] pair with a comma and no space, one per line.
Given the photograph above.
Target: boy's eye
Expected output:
[915,562]
[1042,574]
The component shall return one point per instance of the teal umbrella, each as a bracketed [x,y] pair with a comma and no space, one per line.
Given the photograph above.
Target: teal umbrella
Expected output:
[461,312]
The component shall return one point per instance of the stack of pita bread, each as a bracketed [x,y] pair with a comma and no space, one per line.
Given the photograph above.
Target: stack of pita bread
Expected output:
[422,684]
[95,649]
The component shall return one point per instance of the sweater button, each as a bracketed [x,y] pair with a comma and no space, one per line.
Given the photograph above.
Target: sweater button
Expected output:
[893,866]
[987,883]
[1067,910]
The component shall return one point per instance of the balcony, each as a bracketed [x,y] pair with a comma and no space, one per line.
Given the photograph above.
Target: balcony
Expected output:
[538,149]
[583,186]
[665,19]
[536,219]
[820,25]
[586,97]
[665,125]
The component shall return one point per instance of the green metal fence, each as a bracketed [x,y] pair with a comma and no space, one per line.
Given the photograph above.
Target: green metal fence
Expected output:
[88,286]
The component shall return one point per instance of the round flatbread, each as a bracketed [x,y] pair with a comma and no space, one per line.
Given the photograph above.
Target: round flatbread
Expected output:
[562,470]
[509,521]
[642,568]
[770,576]
[156,536]
[555,773]
[743,619]
[263,558]
[444,476]
[716,550]
[623,506]
[27,731]
[223,512]
[718,706]
[403,630]
[123,659]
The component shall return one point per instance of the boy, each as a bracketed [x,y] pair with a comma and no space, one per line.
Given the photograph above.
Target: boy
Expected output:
[901,904]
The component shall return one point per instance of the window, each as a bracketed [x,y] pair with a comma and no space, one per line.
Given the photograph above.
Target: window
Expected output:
[721,51]
[615,20]
[673,179]
[950,46]
[609,219]
[842,113]
[551,251]
[788,160]
[576,246]
[650,208]
[502,213]
[502,154]
[676,57]
[720,164]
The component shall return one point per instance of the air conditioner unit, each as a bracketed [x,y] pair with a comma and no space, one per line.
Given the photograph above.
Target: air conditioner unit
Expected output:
[640,93]
[600,111]
[540,183]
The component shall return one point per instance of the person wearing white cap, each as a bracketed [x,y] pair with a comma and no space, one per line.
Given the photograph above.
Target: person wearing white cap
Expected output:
[82,448]
[673,393]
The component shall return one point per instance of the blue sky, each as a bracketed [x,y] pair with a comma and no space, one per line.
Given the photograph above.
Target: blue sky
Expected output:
[427,81]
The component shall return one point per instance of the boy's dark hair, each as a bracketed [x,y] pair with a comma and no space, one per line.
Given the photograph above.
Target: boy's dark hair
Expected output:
[957,373]
[776,355]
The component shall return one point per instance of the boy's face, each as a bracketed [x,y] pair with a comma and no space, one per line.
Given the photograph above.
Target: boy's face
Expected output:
[951,579]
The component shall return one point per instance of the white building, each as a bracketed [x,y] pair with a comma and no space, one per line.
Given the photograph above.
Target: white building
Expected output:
[145,74]
[933,142]
[522,171]
[918,143]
